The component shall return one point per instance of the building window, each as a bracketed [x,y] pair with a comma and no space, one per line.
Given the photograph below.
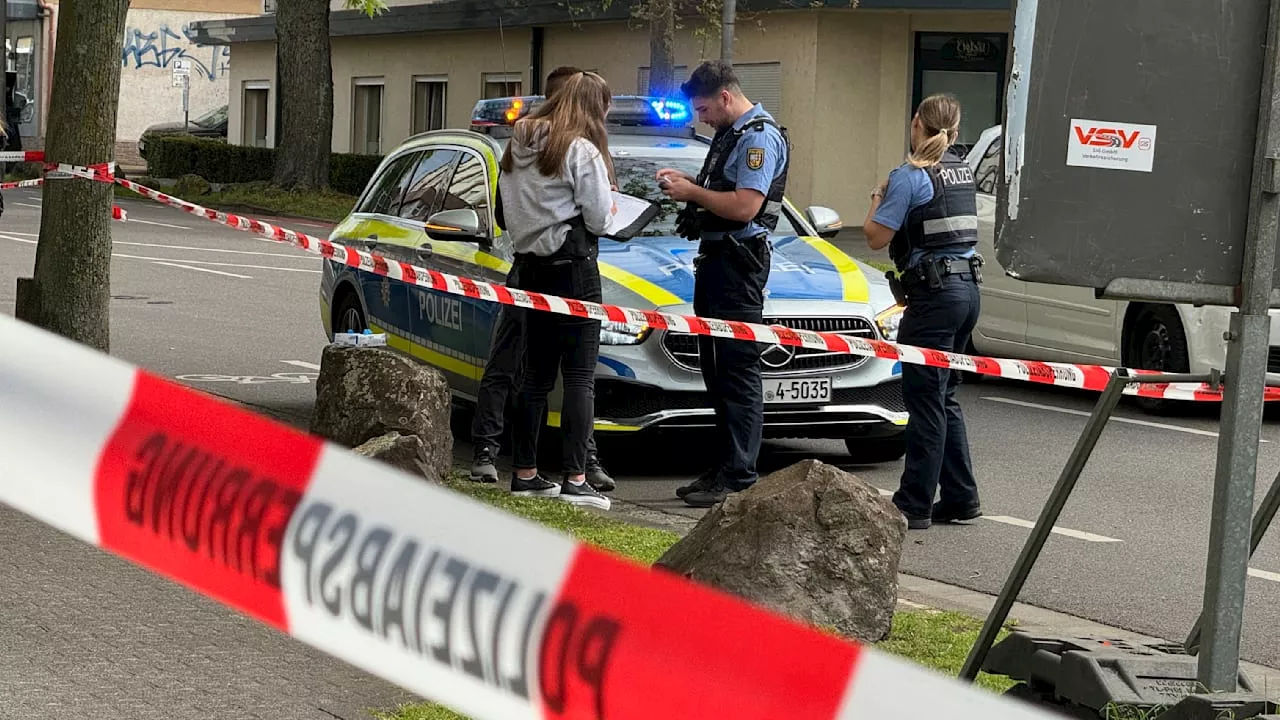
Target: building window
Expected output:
[253,127]
[970,66]
[428,103]
[366,116]
[499,85]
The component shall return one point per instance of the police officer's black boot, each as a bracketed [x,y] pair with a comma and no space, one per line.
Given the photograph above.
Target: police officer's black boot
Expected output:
[705,481]
[597,477]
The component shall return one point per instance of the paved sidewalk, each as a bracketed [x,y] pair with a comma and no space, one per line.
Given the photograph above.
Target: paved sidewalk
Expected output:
[85,634]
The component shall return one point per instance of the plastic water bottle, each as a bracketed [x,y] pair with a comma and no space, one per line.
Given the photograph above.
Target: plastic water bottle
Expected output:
[363,339]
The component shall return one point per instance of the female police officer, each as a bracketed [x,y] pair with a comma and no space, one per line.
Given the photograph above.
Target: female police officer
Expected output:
[926,213]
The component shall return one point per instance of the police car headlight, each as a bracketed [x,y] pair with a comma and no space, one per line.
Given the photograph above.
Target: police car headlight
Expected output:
[888,321]
[616,333]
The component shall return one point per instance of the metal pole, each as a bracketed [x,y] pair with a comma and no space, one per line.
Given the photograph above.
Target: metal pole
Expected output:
[728,15]
[186,102]
[1048,518]
[1261,521]
[1229,533]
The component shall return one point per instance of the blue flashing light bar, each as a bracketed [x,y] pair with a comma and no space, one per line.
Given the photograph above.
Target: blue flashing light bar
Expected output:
[635,110]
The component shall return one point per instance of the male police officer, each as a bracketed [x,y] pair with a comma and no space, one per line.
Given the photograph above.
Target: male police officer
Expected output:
[731,207]
[502,373]
[926,213]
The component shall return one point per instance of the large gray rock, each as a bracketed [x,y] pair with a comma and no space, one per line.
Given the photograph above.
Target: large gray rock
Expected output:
[367,392]
[810,541]
[404,452]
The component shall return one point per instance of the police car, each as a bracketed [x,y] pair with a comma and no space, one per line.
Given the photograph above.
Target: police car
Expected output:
[430,203]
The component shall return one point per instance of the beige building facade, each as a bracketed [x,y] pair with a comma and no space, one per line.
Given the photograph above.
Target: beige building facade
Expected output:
[844,82]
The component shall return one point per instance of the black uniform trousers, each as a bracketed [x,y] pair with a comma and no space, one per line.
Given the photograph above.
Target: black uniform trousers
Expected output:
[729,285]
[568,348]
[937,445]
[503,375]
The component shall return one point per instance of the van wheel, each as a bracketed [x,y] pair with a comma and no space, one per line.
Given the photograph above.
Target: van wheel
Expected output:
[1155,340]
[872,451]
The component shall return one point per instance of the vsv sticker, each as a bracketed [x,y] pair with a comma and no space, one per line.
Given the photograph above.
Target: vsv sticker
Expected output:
[1111,145]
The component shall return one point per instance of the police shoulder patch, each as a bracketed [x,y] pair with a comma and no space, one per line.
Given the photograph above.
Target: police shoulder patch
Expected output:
[755,158]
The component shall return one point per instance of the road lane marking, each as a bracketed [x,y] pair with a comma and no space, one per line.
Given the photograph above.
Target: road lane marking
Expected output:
[1264,575]
[301,364]
[214,264]
[291,256]
[200,269]
[38,207]
[221,250]
[1018,522]
[160,224]
[1125,420]
[1077,534]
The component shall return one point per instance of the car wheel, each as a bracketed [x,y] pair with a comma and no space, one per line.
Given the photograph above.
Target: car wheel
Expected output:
[877,450]
[349,316]
[1155,340]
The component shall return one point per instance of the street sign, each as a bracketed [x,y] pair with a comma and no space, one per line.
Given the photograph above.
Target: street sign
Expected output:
[181,67]
[1129,143]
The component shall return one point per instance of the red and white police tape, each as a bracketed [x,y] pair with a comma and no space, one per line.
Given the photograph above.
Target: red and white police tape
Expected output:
[494,616]
[1072,375]
[22,156]
[1089,377]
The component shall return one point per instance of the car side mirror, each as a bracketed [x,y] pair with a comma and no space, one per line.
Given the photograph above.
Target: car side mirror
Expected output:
[462,224]
[826,221]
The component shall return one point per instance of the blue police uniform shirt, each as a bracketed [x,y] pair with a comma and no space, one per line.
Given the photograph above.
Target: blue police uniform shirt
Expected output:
[909,188]
[754,163]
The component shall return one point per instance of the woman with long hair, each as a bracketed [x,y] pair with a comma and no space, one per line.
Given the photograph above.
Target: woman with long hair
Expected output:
[926,213]
[556,196]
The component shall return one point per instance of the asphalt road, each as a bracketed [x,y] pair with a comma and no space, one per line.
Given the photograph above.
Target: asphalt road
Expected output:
[237,316]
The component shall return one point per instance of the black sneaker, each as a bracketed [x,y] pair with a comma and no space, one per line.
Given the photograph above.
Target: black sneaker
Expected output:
[597,477]
[483,468]
[536,486]
[705,481]
[583,494]
[707,498]
[917,522]
[950,514]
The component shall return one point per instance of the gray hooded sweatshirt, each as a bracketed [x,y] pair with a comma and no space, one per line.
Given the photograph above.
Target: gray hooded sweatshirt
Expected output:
[537,208]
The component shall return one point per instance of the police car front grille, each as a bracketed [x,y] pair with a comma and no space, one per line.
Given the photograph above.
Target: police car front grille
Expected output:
[682,348]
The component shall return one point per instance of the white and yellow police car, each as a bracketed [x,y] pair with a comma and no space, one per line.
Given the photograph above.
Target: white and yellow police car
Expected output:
[430,203]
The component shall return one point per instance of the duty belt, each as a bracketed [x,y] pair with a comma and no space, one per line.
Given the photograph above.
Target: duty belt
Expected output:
[727,243]
[930,272]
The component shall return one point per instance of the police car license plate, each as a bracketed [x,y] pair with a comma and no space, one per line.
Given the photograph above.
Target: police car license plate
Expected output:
[801,390]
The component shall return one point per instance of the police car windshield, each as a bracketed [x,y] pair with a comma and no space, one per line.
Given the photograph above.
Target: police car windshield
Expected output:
[637,160]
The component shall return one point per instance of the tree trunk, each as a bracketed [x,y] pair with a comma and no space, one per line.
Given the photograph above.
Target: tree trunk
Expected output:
[662,43]
[306,94]
[71,290]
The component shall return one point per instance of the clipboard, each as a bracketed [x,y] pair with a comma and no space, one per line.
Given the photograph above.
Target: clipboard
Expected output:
[634,214]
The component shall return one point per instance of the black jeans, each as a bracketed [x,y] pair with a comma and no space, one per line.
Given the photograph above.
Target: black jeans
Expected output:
[729,285]
[503,374]
[937,445]
[564,346]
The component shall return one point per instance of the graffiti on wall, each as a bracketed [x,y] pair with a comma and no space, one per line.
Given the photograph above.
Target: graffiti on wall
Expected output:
[160,47]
